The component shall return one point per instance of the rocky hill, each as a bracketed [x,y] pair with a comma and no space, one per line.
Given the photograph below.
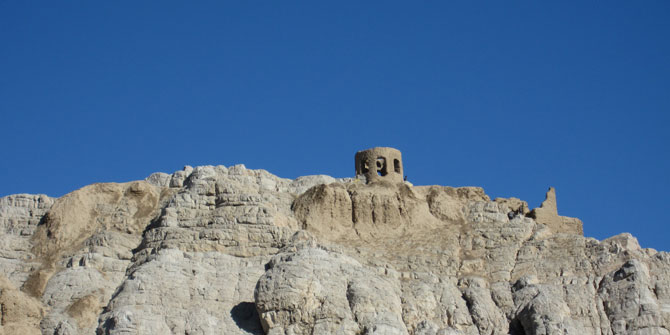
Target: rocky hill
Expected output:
[216,250]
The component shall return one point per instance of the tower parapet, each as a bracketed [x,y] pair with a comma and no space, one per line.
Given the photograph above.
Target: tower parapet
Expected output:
[380,163]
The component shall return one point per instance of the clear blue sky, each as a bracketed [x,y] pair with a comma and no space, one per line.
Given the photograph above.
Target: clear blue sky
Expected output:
[511,96]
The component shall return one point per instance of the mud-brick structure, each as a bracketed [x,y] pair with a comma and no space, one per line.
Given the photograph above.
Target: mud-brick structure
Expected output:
[380,164]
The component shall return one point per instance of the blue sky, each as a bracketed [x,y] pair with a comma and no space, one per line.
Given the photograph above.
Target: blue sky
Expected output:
[510,96]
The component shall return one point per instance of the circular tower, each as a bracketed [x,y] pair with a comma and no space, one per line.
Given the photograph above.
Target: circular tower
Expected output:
[380,163]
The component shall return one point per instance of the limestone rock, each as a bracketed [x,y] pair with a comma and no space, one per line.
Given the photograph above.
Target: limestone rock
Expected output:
[159,179]
[215,249]
[315,291]
[20,215]
[542,310]
[630,302]
[19,313]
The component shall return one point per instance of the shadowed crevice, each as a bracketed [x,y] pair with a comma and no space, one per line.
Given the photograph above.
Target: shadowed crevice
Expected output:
[246,317]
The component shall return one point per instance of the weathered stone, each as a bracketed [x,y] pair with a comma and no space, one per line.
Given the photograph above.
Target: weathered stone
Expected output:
[314,291]
[19,313]
[214,249]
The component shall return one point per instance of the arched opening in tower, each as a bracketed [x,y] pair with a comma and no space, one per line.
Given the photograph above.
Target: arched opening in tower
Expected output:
[381,166]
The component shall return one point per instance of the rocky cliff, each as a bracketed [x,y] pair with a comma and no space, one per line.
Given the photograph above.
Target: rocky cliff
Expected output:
[216,250]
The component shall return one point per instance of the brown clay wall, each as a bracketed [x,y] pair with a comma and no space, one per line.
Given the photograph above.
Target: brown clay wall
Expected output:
[380,163]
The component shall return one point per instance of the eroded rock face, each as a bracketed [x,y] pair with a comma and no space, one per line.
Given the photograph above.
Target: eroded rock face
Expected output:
[213,249]
[20,215]
[315,291]
[20,313]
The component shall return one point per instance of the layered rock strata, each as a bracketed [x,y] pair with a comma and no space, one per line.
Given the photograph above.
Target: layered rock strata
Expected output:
[217,250]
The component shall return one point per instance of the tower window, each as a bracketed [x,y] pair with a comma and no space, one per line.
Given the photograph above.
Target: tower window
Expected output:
[381,166]
[364,167]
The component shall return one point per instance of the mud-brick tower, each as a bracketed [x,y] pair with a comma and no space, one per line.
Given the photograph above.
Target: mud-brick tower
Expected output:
[380,164]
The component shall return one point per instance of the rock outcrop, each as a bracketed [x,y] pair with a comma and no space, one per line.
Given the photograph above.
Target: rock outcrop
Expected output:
[217,250]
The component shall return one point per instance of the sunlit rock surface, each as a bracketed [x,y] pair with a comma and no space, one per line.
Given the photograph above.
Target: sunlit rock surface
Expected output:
[216,250]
